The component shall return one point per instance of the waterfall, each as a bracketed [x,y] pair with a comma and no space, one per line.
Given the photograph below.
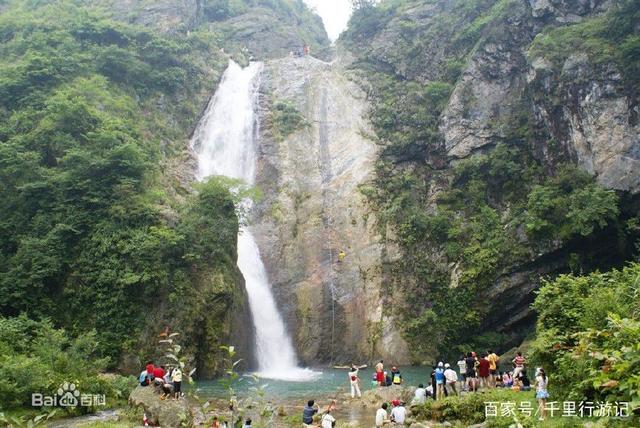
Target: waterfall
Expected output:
[225,143]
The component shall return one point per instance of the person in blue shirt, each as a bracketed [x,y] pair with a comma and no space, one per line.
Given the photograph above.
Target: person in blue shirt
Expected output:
[440,380]
[308,412]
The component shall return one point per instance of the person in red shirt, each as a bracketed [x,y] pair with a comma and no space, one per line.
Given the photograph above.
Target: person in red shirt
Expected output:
[519,362]
[150,368]
[484,370]
[158,373]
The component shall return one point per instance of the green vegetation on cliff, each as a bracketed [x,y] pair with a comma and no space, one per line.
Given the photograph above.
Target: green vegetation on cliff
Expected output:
[94,236]
[610,39]
[467,227]
[99,230]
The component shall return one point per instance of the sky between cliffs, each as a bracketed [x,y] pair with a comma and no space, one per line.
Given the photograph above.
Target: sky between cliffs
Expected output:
[334,13]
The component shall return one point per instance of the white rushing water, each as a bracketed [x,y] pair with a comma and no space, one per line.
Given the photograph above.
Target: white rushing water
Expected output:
[225,143]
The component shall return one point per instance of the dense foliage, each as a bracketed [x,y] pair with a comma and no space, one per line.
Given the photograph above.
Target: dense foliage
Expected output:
[35,357]
[464,226]
[588,342]
[588,335]
[470,409]
[96,231]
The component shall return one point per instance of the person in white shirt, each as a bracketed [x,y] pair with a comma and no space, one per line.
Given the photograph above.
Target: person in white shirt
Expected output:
[328,421]
[354,381]
[451,377]
[398,413]
[462,365]
[382,418]
[176,377]
[542,383]
[429,390]
[420,395]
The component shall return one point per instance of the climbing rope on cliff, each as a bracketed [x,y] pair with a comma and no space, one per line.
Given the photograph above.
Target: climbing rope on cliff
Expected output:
[333,303]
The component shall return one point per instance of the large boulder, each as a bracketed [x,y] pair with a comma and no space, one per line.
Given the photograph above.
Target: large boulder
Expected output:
[375,397]
[165,413]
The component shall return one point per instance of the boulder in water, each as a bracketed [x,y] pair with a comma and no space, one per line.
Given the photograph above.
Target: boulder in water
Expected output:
[165,413]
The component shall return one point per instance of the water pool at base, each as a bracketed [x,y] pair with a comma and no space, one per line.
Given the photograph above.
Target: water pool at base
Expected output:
[326,384]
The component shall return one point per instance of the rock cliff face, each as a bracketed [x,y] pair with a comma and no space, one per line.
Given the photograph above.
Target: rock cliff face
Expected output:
[313,209]
[584,107]
[574,108]
[265,29]
[593,118]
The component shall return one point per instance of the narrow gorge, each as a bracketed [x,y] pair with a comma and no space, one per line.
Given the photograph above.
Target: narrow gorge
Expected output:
[216,185]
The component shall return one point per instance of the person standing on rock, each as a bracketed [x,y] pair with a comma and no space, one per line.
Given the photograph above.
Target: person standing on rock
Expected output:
[542,395]
[484,372]
[471,371]
[493,367]
[462,366]
[176,377]
[519,361]
[451,377]
[380,373]
[354,381]
[396,376]
[440,380]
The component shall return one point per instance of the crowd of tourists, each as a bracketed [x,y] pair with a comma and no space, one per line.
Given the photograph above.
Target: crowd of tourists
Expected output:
[474,373]
[167,381]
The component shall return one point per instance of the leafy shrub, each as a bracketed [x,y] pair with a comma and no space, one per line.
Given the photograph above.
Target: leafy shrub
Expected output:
[36,357]
[569,204]
[588,333]
[469,409]
[82,136]
[284,119]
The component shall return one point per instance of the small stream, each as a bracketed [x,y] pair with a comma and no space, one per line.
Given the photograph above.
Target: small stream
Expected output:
[102,416]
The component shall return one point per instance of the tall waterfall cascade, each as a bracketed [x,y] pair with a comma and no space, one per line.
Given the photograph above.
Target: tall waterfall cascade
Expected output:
[225,144]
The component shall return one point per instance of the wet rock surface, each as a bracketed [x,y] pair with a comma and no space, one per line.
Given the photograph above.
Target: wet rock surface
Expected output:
[313,210]
[578,111]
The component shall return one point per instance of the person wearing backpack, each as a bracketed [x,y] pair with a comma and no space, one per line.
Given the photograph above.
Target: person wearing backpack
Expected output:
[396,377]
[143,379]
